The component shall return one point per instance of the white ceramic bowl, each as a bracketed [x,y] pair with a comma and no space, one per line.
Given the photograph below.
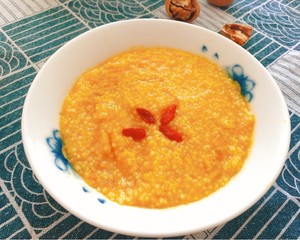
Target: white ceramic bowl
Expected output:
[43,145]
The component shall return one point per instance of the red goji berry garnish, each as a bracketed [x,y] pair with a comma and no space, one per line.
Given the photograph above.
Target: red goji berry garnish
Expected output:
[168,114]
[145,115]
[137,134]
[170,133]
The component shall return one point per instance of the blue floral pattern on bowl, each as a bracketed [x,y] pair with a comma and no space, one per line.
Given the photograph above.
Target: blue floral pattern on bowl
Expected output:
[236,72]
[55,143]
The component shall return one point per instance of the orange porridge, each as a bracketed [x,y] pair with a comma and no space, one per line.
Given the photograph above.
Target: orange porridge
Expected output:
[156,127]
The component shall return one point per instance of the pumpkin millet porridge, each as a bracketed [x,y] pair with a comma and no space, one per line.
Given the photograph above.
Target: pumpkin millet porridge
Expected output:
[156,127]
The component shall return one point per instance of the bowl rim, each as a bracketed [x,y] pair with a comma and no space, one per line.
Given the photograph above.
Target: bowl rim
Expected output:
[137,232]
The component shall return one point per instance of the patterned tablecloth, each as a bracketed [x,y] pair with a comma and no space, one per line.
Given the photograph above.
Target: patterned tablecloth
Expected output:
[32,30]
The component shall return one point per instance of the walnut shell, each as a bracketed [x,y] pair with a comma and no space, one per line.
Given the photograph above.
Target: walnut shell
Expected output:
[183,10]
[237,32]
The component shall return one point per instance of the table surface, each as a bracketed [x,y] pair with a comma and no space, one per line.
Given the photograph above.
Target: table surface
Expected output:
[32,30]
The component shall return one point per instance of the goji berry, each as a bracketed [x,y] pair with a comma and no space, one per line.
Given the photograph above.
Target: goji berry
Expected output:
[168,114]
[145,115]
[170,133]
[137,134]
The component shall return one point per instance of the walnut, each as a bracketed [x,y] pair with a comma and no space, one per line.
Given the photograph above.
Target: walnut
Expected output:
[237,32]
[183,10]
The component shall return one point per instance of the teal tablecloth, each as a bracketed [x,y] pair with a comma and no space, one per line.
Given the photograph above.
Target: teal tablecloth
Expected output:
[32,30]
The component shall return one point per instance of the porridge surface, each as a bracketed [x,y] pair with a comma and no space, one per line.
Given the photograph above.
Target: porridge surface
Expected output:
[212,117]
